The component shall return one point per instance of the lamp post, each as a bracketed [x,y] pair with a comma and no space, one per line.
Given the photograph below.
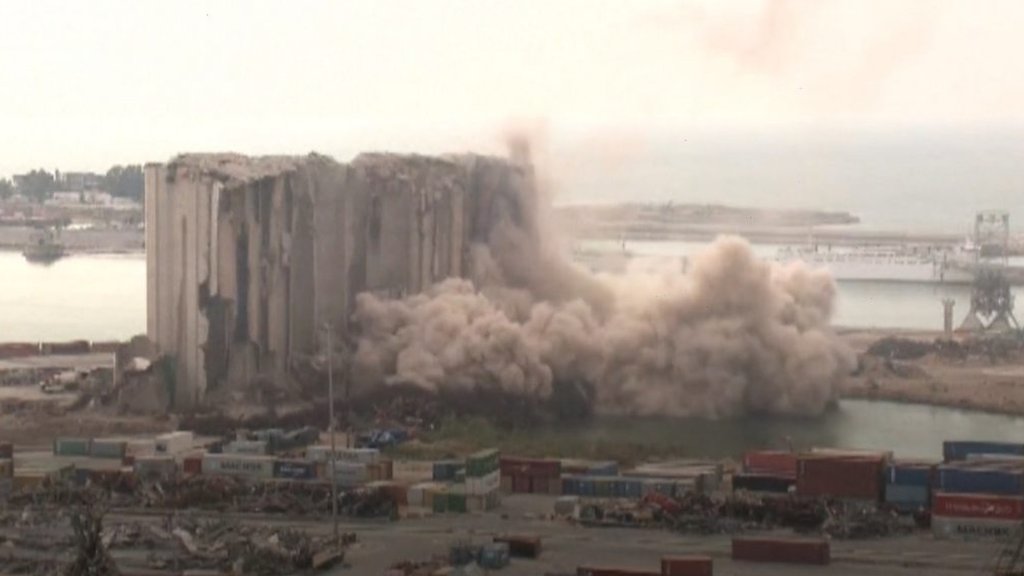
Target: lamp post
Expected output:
[334,455]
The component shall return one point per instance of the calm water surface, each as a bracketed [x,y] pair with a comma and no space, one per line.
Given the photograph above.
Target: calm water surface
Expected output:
[910,430]
[93,297]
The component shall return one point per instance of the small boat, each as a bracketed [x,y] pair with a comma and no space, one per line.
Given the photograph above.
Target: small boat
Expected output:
[44,247]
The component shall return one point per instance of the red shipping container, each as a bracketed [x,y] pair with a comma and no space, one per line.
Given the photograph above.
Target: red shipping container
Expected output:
[978,506]
[530,467]
[601,571]
[521,546]
[771,462]
[840,476]
[192,465]
[521,484]
[686,566]
[781,550]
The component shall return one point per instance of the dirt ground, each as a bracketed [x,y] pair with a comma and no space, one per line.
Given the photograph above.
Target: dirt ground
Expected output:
[975,382]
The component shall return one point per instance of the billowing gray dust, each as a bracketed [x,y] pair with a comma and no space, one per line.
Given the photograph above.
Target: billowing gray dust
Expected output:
[730,334]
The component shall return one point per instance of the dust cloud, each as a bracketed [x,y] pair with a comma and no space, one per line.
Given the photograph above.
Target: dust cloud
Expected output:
[729,335]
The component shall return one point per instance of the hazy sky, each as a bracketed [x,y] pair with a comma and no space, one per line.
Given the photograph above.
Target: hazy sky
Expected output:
[88,84]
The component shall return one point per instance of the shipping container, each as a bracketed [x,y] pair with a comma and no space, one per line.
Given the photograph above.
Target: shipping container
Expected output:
[567,505]
[394,491]
[251,447]
[986,506]
[574,466]
[953,450]
[949,527]
[295,469]
[192,464]
[910,473]
[506,484]
[791,551]
[108,448]
[438,501]
[322,453]
[457,499]
[347,474]
[763,483]
[140,447]
[521,546]
[907,498]
[494,556]
[847,477]
[412,470]
[174,443]
[521,484]
[72,446]
[155,468]
[530,466]
[606,571]
[445,470]
[770,463]
[980,478]
[482,462]
[483,484]
[687,566]
[245,466]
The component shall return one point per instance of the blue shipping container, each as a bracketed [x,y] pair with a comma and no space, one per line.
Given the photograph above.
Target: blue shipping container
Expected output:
[960,449]
[609,468]
[980,480]
[909,475]
[570,486]
[446,470]
[587,487]
[908,498]
[295,469]
[629,488]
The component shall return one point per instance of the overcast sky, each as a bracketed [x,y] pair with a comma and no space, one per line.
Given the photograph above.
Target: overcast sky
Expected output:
[89,84]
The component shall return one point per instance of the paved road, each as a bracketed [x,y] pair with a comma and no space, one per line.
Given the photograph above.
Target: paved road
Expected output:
[566,546]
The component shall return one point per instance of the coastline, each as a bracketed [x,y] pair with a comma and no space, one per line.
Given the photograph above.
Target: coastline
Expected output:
[975,383]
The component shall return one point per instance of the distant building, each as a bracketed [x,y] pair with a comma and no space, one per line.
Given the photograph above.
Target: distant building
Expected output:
[80,198]
[80,181]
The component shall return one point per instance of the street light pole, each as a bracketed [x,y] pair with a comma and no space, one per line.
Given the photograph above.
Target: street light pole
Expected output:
[334,455]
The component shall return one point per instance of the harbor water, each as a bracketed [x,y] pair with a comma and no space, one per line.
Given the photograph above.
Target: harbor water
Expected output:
[103,297]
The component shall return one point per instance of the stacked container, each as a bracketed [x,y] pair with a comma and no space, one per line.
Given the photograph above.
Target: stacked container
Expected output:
[842,475]
[174,443]
[482,484]
[244,466]
[767,471]
[531,475]
[955,450]
[908,484]
[977,498]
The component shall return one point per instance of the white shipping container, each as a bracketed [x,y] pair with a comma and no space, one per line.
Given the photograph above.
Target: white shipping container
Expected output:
[140,447]
[484,484]
[348,474]
[155,467]
[254,447]
[949,527]
[238,465]
[412,470]
[417,495]
[174,443]
[322,453]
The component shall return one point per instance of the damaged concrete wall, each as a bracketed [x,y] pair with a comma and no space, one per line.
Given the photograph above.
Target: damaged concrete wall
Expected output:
[247,256]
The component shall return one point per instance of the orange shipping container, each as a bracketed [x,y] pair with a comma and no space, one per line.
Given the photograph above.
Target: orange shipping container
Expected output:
[686,566]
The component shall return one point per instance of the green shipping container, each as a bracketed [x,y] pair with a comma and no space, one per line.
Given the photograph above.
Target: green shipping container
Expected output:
[72,446]
[440,503]
[482,463]
[456,502]
[112,449]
